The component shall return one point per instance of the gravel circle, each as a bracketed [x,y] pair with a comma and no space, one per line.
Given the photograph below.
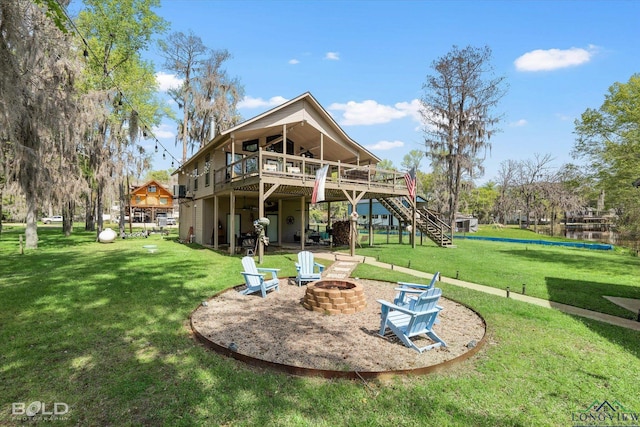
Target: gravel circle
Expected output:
[279,329]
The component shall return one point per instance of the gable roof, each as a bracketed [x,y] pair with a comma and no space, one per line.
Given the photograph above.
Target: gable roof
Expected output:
[151,182]
[305,119]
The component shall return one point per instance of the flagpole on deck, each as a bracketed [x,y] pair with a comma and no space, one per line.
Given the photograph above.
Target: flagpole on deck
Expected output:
[413,223]
[410,180]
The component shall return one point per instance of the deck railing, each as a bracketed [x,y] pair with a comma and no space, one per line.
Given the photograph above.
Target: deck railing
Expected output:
[268,164]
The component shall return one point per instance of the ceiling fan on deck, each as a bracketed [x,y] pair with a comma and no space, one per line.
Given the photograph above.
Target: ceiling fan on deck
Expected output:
[246,207]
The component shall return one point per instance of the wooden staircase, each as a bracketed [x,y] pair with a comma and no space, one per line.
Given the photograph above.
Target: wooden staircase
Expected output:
[429,222]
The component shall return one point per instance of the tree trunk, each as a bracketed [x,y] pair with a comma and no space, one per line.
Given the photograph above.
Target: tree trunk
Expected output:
[28,179]
[89,223]
[455,195]
[1,194]
[31,230]
[121,223]
[98,213]
[67,218]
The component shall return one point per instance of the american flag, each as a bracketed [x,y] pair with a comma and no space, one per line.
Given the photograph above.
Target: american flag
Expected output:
[410,179]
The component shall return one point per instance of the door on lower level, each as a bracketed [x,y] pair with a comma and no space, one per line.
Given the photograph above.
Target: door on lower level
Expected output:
[272,229]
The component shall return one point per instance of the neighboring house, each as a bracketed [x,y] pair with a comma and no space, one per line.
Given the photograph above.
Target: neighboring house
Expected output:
[378,214]
[590,219]
[466,223]
[148,200]
[266,167]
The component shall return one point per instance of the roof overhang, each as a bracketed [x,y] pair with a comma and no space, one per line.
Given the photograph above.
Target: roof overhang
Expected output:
[305,122]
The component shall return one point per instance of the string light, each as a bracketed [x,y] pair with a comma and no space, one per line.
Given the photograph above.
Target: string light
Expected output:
[121,97]
[195,174]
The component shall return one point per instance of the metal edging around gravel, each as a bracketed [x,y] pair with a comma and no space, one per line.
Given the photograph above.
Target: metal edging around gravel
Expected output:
[331,374]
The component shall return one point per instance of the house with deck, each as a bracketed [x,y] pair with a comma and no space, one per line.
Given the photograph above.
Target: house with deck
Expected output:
[148,200]
[266,167]
[373,213]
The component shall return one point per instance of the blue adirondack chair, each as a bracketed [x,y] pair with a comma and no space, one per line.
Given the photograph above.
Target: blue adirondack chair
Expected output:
[406,323]
[408,292]
[308,269]
[255,278]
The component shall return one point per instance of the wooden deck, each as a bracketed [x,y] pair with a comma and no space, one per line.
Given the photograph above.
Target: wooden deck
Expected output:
[296,175]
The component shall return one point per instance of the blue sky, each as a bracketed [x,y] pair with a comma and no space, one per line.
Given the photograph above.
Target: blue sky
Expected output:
[366,63]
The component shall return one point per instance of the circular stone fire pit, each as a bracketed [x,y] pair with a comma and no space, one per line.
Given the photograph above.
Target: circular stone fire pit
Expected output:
[335,296]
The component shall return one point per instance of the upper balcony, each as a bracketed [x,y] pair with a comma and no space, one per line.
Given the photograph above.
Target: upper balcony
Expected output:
[279,152]
[297,174]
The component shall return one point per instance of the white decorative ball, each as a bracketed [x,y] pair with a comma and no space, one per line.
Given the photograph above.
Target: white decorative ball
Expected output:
[107,236]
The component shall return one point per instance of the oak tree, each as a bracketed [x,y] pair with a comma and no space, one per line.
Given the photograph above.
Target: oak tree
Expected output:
[608,139]
[123,85]
[39,107]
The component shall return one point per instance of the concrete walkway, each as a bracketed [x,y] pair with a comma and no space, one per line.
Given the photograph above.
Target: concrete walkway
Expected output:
[344,264]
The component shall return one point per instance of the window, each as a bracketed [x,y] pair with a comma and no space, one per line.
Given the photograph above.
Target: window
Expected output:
[237,168]
[195,177]
[207,170]
[163,200]
[151,189]
[138,199]
[252,165]
[251,146]
[277,147]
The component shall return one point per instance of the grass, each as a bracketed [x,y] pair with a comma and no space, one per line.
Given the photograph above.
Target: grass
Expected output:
[103,328]
[514,232]
[571,276]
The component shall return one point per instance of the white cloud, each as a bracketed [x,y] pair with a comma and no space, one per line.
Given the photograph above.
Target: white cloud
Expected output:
[385,145]
[294,61]
[164,131]
[369,112]
[333,56]
[518,123]
[167,81]
[250,102]
[412,109]
[553,59]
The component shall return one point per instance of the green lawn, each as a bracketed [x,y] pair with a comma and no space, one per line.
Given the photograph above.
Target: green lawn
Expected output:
[104,329]
[571,276]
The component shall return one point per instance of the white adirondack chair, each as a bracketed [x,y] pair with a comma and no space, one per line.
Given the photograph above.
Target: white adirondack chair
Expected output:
[406,323]
[308,269]
[255,278]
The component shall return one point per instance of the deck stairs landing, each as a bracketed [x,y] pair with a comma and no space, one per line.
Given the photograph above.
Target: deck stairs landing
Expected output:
[429,222]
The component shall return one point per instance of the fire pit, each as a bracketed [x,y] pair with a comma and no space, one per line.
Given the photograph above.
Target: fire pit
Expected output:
[335,296]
